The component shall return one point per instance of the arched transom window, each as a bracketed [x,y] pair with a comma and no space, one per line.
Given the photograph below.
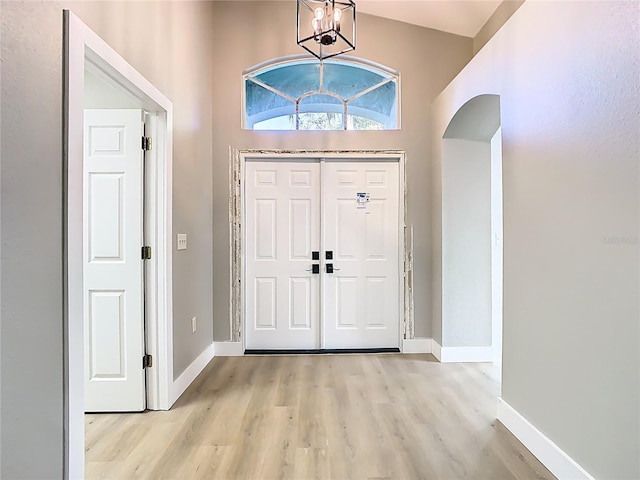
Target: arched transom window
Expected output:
[329,95]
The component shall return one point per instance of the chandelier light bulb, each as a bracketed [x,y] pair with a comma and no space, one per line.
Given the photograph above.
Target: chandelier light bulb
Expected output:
[337,14]
[319,13]
[315,23]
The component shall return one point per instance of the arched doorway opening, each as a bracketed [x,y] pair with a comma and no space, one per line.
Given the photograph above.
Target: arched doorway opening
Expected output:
[472,233]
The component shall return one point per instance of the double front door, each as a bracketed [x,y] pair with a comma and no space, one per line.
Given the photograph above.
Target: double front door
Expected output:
[322,254]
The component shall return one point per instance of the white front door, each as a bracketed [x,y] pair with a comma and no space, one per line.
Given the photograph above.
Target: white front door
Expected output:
[329,214]
[113,268]
[283,229]
[360,206]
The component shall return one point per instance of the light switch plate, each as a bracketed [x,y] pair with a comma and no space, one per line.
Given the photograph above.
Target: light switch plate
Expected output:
[182,241]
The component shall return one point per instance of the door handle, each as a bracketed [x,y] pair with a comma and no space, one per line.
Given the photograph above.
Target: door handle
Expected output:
[330,268]
[315,269]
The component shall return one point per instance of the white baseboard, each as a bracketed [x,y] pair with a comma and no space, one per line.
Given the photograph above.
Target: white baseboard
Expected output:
[465,354]
[181,383]
[416,345]
[436,349]
[549,454]
[228,349]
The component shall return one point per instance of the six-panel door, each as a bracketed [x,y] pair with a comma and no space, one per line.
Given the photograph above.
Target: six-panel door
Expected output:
[282,204]
[113,275]
[360,208]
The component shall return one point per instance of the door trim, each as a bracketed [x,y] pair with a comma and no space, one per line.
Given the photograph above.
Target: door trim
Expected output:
[84,49]
[237,216]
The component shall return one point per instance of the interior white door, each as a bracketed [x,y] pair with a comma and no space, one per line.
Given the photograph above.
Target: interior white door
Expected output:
[282,207]
[360,224]
[113,268]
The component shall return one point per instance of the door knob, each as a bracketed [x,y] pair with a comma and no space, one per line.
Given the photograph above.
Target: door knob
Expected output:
[330,268]
[315,268]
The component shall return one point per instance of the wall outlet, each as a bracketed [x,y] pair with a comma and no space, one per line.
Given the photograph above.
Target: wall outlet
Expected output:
[182,241]
[194,324]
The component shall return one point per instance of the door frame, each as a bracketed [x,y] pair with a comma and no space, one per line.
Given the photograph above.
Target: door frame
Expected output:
[238,237]
[84,49]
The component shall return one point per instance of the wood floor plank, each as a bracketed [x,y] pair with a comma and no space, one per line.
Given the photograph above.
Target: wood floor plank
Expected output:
[318,417]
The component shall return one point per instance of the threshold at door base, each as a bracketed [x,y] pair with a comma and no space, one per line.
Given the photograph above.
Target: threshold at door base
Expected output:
[321,351]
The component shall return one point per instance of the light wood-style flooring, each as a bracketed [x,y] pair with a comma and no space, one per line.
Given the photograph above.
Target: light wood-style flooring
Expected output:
[323,416]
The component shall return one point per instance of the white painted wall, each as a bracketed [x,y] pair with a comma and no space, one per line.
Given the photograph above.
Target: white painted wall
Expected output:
[567,75]
[495,22]
[99,94]
[466,240]
[497,263]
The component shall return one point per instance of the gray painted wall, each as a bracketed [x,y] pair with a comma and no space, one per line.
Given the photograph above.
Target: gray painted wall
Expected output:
[426,59]
[32,200]
[466,240]
[173,52]
[571,154]
[31,262]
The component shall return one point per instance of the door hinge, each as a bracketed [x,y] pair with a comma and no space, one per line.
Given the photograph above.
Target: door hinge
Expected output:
[146,143]
[146,253]
[147,361]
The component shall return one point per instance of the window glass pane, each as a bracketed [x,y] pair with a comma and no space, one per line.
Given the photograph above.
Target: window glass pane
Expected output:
[347,80]
[356,122]
[294,80]
[378,105]
[284,122]
[259,99]
[381,100]
[321,121]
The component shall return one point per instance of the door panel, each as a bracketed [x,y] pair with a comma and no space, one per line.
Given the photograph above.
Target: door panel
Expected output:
[282,204]
[106,331]
[266,303]
[361,308]
[113,269]
[300,314]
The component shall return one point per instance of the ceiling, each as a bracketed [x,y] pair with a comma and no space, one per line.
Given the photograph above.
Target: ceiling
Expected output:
[462,17]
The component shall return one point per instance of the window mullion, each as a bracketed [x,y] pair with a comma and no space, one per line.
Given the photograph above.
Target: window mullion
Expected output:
[344,115]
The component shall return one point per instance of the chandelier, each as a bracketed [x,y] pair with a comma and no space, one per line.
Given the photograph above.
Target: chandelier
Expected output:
[326,28]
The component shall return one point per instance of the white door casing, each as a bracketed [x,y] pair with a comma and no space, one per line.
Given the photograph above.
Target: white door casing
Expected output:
[287,216]
[361,215]
[84,50]
[283,228]
[113,268]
